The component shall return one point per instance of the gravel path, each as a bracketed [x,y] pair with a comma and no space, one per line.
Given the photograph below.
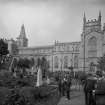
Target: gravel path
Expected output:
[77,98]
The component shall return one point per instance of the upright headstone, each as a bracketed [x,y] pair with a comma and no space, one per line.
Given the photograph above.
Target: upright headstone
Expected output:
[39,78]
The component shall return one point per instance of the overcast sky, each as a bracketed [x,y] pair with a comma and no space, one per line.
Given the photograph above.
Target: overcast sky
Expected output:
[47,20]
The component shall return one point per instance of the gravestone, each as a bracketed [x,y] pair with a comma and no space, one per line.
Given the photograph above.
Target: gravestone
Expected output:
[39,77]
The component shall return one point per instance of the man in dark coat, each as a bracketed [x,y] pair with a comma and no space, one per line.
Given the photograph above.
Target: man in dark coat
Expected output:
[60,86]
[68,85]
[89,86]
[63,86]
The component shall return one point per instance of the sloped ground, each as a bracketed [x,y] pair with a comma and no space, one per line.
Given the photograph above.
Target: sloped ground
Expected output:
[47,95]
[77,98]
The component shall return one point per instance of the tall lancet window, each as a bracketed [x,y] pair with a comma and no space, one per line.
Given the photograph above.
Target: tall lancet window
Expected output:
[92,47]
[75,61]
[56,64]
[65,61]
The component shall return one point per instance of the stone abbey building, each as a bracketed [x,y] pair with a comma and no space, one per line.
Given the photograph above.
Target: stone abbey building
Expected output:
[81,55]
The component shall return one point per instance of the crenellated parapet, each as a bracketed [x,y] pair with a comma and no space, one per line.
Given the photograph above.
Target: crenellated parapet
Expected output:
[92,22]
[92,25]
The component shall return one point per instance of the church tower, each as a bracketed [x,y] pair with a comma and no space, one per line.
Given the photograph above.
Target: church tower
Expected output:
[92,25]
[22,40]
[91,43]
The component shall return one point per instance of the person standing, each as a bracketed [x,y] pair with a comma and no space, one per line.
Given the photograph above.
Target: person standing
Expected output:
[89,86]
[60,86]
[64,86]
[68,85]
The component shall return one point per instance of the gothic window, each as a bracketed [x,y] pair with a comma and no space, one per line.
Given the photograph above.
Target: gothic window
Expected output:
[92,47]
[56,62]
[65,62]
[75,61]
[76,48]
[68,48]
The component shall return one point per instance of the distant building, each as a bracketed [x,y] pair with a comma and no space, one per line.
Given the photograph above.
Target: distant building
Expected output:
[92,43]
[22,40]
[60,55]
[81,55]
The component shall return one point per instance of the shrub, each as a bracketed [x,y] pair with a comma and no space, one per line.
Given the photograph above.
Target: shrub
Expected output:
[25,94]
[80,75]
[45,90]
[7,80]
[29,94]
[34,94]
[99,73]
[3,93]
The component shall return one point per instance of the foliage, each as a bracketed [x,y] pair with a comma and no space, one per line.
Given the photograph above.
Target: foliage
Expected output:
[101,63]
[44,64]
[35,94]
[23,64]
[32,62]
[99,73]
[14,98]
[3,50]
[52,99]
[45,90]
[20,65]
[7,80]
[26,90]
[28,95]
[4,91]
[38,63]
[81,75]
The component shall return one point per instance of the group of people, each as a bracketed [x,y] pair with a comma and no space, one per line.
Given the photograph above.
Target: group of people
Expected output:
[64,84]
[90,86]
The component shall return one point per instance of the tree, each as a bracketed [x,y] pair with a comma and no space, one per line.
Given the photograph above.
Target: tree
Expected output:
[32,62]
[101,63]
[3,50]
[38,63]
[44,64]
[22,64]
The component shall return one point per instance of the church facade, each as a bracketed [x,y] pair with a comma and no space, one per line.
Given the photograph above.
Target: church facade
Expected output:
[92,43]
[81,55]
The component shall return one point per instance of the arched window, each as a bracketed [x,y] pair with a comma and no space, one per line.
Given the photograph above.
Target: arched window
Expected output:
[92,47]
[77,48]
[56,62]
[75,61]
[65,62]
